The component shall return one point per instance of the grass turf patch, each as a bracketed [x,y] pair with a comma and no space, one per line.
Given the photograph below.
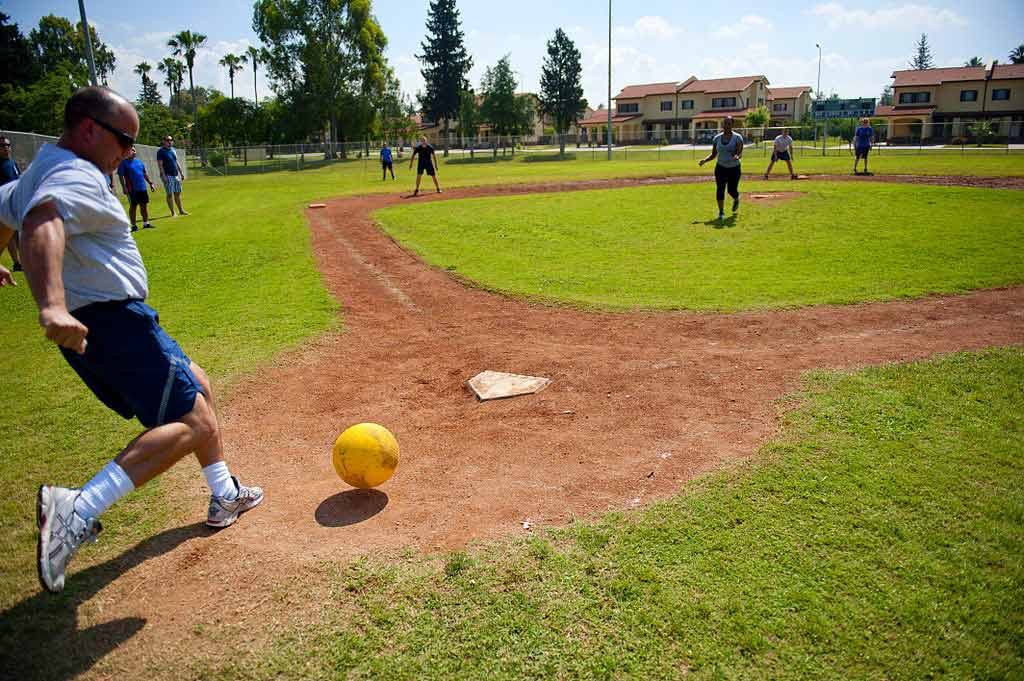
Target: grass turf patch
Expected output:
[662,247]
[880,536]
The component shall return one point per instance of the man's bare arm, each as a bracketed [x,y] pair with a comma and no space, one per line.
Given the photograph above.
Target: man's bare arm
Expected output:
[42,254]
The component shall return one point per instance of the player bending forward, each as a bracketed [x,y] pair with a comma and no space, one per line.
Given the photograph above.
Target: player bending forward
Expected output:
[89,282]
[781,152]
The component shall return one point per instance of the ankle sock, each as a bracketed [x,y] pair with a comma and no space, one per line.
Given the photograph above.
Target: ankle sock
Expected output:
[218,477]
[105,488]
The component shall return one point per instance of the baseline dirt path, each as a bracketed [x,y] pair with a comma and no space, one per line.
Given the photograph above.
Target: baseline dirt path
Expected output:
[640,403]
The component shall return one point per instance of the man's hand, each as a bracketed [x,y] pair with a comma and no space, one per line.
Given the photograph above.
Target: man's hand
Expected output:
[702,162]
[63,329]
[6,278]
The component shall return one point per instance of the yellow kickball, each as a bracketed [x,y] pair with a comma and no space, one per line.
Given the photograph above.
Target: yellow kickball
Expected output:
[365,455]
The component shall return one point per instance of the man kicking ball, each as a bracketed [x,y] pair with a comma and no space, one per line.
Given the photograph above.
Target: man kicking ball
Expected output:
[781,152]
[427,164]
[88,280]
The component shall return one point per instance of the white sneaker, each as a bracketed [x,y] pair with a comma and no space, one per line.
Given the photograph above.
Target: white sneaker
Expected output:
[224,512]
[61,533]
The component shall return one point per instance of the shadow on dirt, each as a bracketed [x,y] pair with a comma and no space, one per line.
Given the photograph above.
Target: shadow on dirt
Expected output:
[350,507]
[40,637]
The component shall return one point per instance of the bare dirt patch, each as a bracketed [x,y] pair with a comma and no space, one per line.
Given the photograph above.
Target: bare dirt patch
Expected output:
[639,404]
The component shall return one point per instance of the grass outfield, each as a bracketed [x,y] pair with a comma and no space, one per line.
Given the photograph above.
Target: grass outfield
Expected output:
[880,536]
[662,247]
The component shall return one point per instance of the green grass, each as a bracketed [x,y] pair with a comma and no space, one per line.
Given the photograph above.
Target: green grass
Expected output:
[880,536]
[660,247]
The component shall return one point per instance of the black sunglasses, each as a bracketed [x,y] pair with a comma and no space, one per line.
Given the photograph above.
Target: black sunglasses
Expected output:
[124,139]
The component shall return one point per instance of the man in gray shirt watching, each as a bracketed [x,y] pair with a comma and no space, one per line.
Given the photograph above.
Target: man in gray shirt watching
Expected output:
[87,277]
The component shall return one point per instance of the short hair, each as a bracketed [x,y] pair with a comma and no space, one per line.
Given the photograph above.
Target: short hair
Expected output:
[91,102]
[727,119]
[5,137]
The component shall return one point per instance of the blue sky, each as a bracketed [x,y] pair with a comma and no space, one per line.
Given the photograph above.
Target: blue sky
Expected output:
[653,41]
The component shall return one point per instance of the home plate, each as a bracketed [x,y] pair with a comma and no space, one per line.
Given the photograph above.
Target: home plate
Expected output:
[495,385]
[318,205]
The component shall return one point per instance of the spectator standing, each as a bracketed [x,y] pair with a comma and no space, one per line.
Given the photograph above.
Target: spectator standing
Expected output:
[134,178]
[171,174]
[9,172]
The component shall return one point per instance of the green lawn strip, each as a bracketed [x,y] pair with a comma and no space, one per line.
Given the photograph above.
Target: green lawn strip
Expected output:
[880,536]
[662,248]
[234,283]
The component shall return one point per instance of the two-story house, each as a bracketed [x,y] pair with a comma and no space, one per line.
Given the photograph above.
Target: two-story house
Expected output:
[940,105]
[788,105]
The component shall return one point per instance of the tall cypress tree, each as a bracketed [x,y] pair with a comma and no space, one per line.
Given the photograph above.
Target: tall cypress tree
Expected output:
[561,93]
[923,59]
[445,64]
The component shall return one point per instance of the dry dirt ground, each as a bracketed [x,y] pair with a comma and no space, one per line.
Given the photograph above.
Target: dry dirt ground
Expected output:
[639,404]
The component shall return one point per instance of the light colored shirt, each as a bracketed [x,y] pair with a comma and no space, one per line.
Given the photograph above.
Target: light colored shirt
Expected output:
[783,143]
[101,260]
[727,152]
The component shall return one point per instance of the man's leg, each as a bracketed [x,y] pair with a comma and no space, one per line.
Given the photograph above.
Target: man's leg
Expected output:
[170,203]
[771,165]
[177,200]
[436,185]
[734,187]
[384,172]
[131,213]
[789,164]
[419,177]
[145,214]
[12,248]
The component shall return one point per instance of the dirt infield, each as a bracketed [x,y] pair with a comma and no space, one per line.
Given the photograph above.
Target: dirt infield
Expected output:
[640,403]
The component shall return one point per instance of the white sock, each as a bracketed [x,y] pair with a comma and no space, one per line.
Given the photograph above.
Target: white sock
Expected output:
[218,477]
[100,493]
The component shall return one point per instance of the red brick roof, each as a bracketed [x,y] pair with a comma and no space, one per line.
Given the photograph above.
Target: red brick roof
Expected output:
[890,111]
[721,113]
[635,91]
[720,84]
[787,92]
[1004,71]
[601,116]
[937,76]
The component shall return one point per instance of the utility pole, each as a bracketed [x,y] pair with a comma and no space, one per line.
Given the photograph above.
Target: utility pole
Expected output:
[609,80]
[817,97]
[88,43]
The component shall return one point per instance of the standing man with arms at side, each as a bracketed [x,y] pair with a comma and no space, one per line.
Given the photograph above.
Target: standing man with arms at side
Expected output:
[89,282]
[9,173]
[781,152]
[727,147]
[386,163]
[170,174]
[427,164]
[862,139]
[134,178]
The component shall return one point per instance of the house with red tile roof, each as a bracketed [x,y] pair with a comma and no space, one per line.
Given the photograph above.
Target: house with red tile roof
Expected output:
[940,105]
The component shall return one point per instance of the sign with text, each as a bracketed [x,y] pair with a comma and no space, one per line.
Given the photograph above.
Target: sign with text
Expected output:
[843,108]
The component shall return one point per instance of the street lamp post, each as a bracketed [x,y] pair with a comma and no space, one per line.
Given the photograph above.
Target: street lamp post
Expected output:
[88,43]
[817,96]
[609,80]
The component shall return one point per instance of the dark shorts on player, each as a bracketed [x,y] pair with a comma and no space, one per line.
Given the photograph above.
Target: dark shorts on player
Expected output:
[427,168]
[139,198]
[862,152]
[132,365]
[727,178]
[386,165]
[781,155]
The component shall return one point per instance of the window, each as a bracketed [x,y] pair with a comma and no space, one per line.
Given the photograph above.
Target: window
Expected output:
[968,95]
[723,102]
[1001,95]
[666,106]
[779,107]
[915,97]
[686,104]
[629,108]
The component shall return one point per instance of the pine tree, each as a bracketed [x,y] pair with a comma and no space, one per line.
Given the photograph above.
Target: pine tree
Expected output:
[561,93]
[923,60]
[445,64]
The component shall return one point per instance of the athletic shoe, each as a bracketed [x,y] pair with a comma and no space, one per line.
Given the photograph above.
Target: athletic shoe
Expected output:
[135,228]
[766,176]
[735,204]
[146,225]
[224,512]
[61,533]
[183,213]
[416,193]
[721,216]
[438,191]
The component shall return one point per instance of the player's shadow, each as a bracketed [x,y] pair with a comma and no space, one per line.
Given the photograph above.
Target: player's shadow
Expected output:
[718,224]
[40,637]
[350,507]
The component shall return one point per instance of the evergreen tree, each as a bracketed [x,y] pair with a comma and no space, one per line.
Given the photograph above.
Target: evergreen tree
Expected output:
[55,41]
[561,93]
[923,59]
[20,66]
[506,113]
[445,64]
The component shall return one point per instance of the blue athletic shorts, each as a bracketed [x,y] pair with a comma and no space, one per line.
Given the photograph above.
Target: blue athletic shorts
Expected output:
[781,155]
[132,365]
[172,185]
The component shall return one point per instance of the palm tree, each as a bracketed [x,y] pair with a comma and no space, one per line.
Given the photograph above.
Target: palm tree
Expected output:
[1017,56]
[974,61]
[143,70]
[253,58]
[184,44]
[233,63]
[171,67]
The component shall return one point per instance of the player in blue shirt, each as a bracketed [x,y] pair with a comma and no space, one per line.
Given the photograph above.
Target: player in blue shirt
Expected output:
[862,139]
[134,178]
[386,163]
[171,174]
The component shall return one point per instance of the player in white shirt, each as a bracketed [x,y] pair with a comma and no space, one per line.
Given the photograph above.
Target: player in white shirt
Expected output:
[782,152]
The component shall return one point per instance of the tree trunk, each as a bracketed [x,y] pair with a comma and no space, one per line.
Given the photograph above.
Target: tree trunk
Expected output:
[446,138]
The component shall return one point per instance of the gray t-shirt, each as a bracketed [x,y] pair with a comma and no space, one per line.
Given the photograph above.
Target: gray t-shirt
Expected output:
[101,260]
[727,152]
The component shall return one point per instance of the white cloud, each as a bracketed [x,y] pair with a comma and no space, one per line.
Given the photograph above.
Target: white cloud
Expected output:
[751,23]
[917,16]
[648,28]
